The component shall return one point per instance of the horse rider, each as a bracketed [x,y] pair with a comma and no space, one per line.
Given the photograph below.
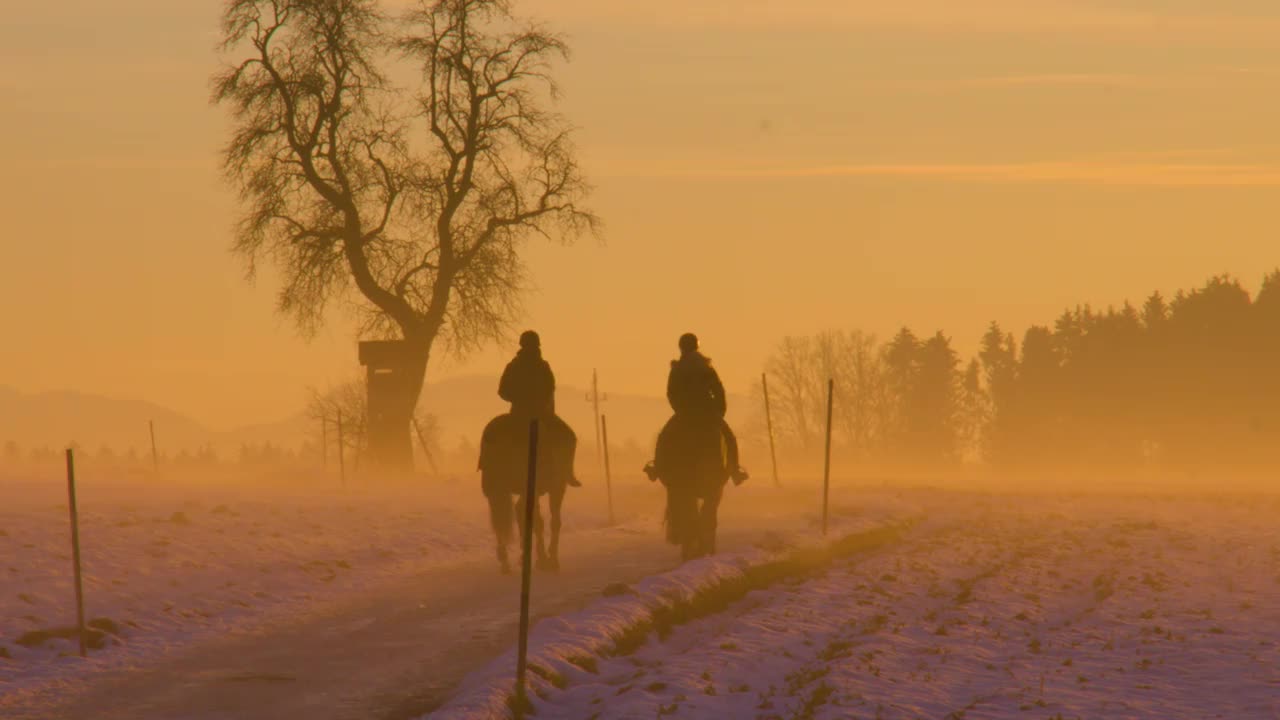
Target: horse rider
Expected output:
[694,389]
[530,386]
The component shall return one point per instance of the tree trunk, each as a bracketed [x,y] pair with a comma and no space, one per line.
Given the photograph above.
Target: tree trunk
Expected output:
[394,385]
[392,448]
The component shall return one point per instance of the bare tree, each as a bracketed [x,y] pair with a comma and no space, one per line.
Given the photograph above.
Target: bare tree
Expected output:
[346,403]
[866,395]
[419,201]
[426,428]
[799,368]
[791,369]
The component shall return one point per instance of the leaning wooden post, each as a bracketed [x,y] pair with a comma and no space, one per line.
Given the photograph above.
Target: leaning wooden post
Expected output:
[526,572]
[608,474]
[155,457]
[342,462]
[422,442]
[75,549]
[826,466]
[768,420]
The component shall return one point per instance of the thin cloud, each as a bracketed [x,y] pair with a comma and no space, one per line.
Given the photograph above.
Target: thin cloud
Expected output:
[992,16]
[1057,79]
[1081,173]
[1254,71]
[974,14]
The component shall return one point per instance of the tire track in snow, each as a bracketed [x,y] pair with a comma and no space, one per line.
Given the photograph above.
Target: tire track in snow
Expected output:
[1056,606]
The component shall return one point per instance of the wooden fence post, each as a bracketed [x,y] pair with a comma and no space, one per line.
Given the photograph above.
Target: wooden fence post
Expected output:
[608,474]
[155,457]
[768,419]
[526,571]
[826,466]
[75,548]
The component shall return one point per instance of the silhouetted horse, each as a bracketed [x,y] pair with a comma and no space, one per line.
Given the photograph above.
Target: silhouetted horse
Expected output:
[504,477]
[691,461]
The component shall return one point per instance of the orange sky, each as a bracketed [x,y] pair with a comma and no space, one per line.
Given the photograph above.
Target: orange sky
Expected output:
[763,168]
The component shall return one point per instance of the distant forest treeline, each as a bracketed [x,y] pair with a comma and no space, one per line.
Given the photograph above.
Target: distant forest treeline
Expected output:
[1188,381]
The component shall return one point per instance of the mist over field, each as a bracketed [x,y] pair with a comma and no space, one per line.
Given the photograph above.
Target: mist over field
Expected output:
[486,359]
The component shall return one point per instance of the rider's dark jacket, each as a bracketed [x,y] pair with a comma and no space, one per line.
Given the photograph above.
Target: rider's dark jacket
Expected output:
[694,387]
[529,385]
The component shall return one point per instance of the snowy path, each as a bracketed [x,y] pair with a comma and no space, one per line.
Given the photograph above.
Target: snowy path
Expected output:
[393,655]
[327,648]
[174,564]
[998,608]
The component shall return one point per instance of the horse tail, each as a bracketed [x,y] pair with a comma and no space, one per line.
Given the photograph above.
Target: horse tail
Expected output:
[502,516]
[488,438]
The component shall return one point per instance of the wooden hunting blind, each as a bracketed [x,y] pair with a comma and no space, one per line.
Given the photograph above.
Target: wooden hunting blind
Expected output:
[388,367]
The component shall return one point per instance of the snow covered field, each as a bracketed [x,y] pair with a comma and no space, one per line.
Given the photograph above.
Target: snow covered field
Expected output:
[254,600]
[997,607]
[225,602]
[566,643]
[167,564]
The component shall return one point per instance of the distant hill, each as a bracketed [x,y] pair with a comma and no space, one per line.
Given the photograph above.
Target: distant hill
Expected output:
[55,419]
[463,405]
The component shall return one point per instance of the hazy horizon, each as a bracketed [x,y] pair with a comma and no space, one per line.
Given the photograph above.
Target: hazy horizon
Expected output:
[1008,267]
[836,165]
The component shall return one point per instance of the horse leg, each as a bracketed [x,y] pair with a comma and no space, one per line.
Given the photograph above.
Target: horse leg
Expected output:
[520,525]
[692,537]
[556,501]
[710,520]
[695,531]
[697,528]
[689,544]
[681,517]
[503,562]
[500,519]
[538,537]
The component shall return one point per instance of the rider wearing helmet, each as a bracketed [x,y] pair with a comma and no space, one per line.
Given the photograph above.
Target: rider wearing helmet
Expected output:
[530,386]
[528,383]
[694,389]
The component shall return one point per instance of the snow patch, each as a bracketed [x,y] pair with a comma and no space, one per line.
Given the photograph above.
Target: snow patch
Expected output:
[571,643]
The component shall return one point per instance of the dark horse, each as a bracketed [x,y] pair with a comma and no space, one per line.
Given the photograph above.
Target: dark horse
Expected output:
[690,460]
[504,477]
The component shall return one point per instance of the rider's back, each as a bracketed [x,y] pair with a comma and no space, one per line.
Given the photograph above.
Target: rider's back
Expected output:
[529,385]
[694,387]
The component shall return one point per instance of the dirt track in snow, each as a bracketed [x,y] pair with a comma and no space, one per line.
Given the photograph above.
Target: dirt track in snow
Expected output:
[394,650]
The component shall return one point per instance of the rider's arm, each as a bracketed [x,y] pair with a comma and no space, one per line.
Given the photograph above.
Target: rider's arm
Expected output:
[671,387]
[717,392]
[506,391]
[551,388]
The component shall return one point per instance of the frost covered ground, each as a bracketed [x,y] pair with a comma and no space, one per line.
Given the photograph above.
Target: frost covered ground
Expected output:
[168,564]
[999,606]
[258,601]
[305,601]
[629,612]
